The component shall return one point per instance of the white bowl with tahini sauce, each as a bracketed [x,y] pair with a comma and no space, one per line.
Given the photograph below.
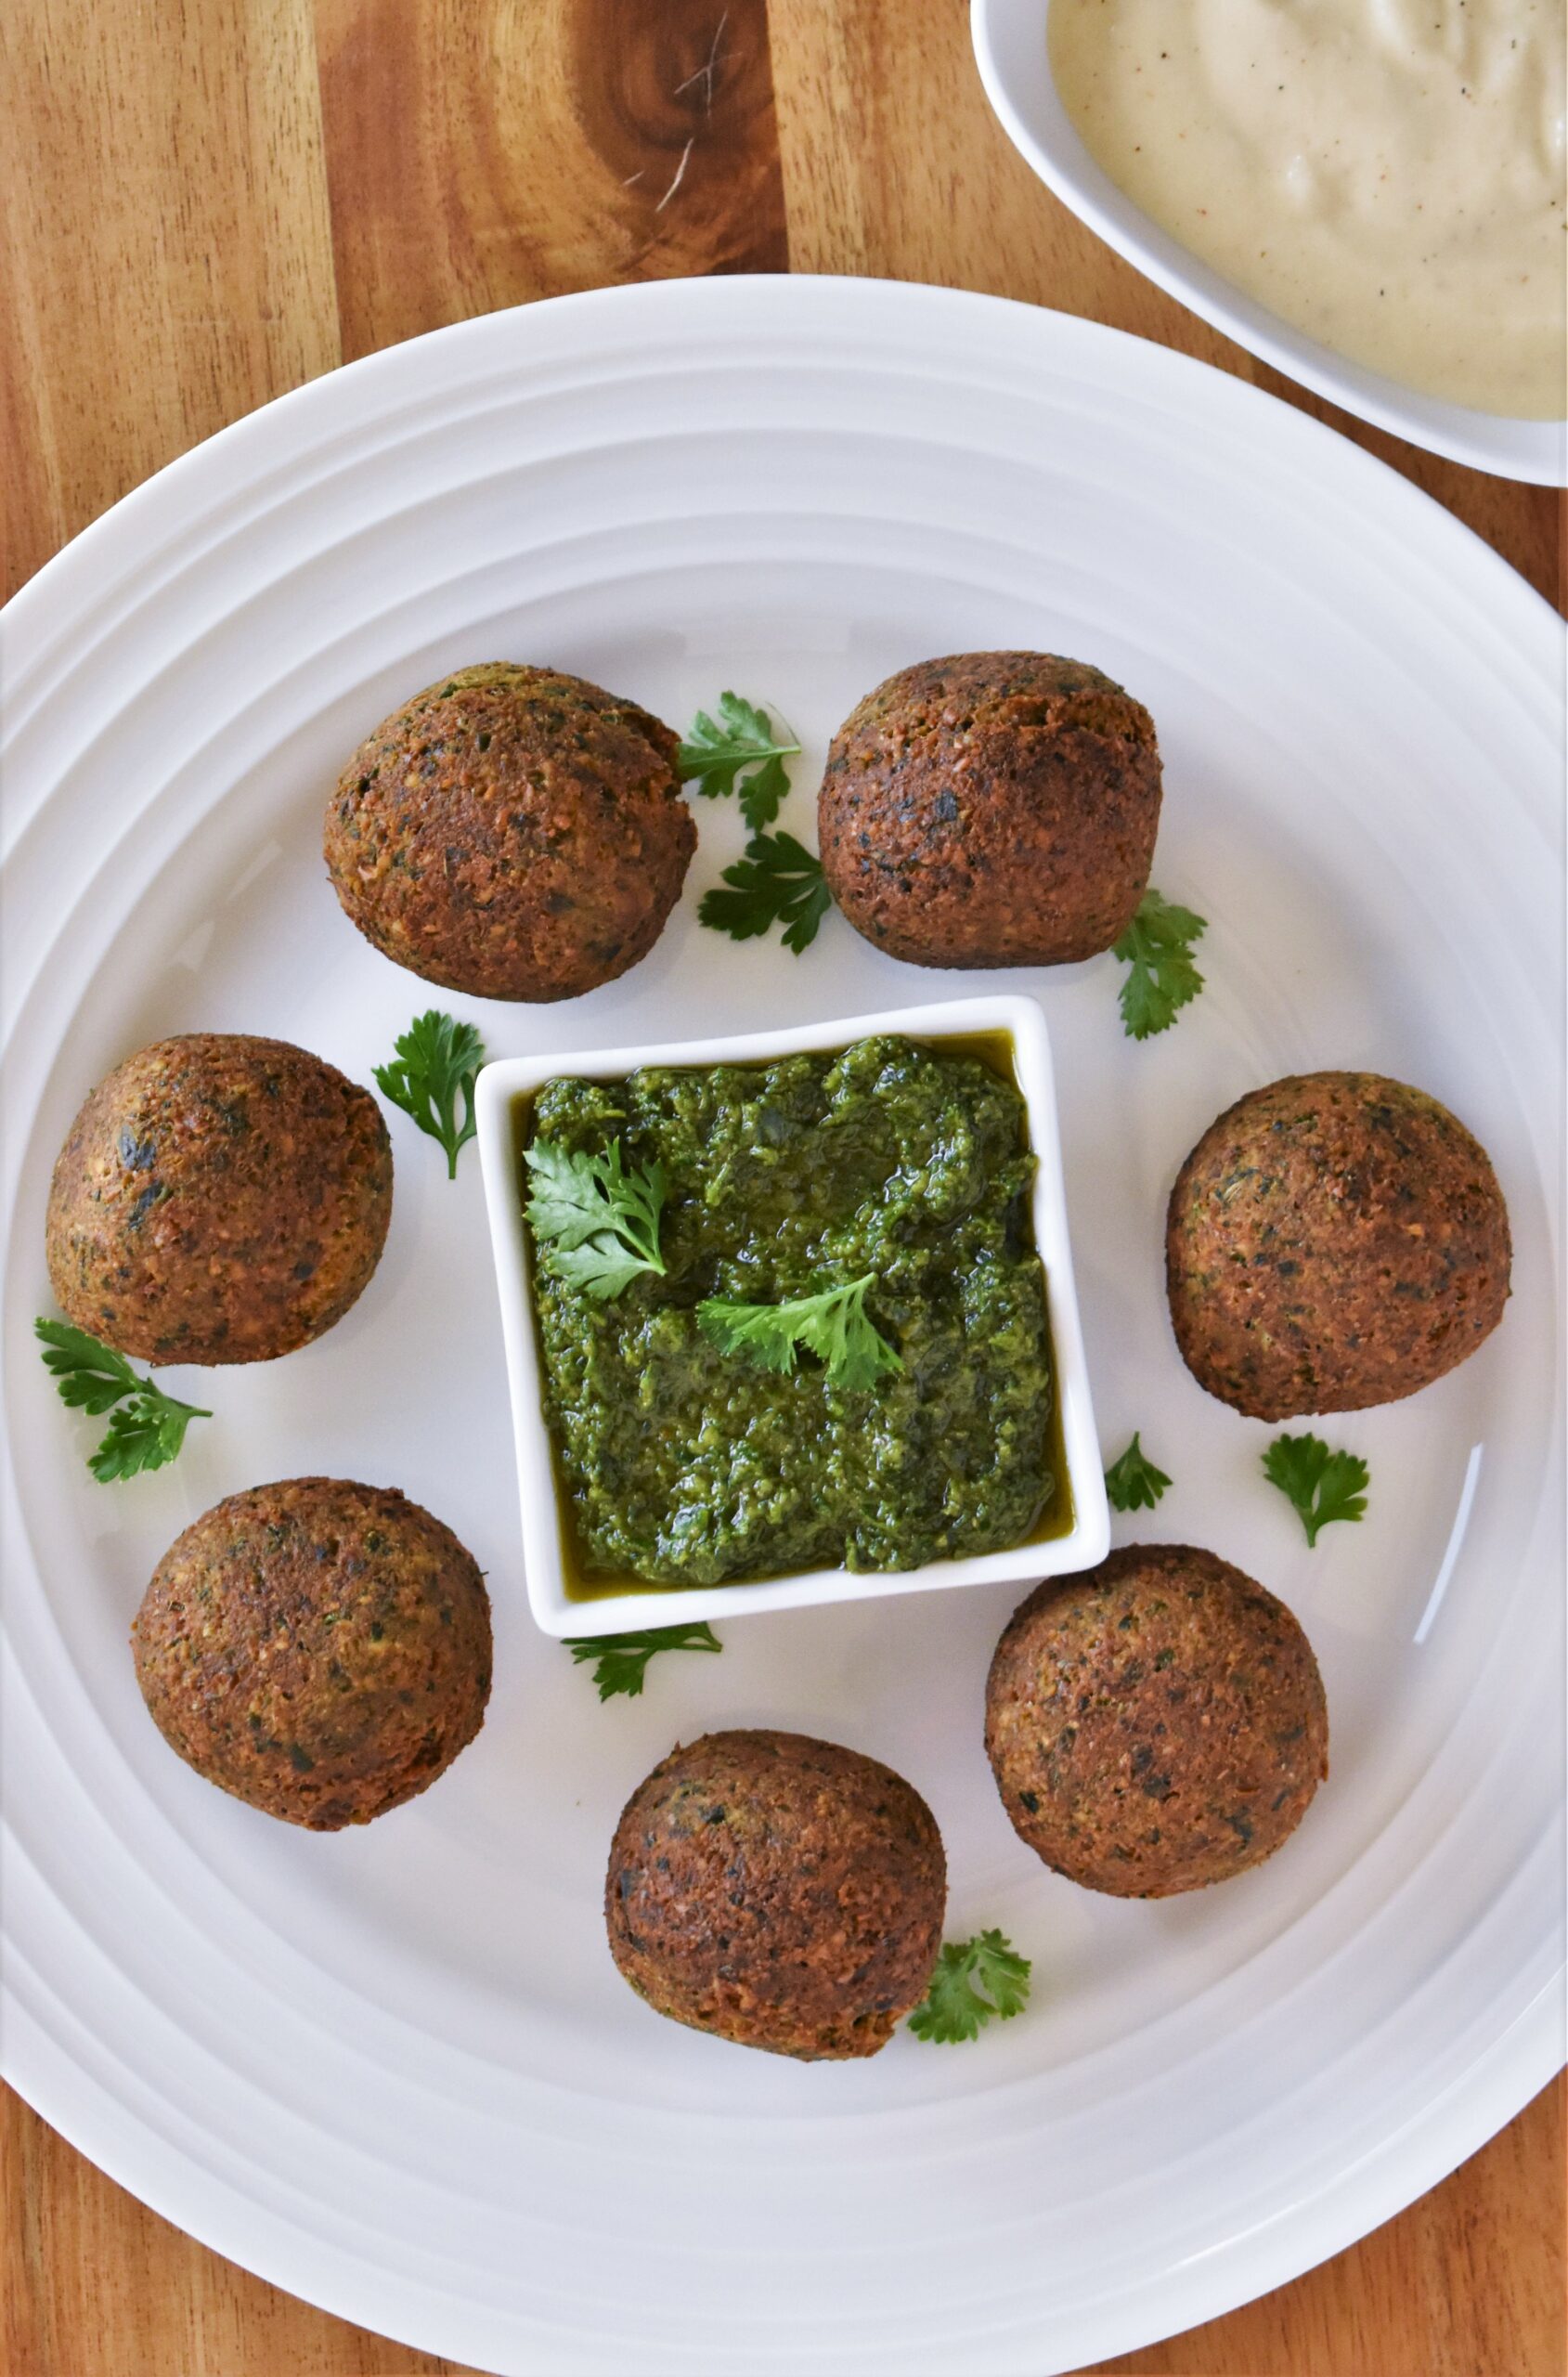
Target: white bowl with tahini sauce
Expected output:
[1367,194]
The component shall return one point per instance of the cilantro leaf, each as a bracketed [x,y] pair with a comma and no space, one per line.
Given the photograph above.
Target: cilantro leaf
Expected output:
[601,1267]
[1158,946]
[598,1223]
[778,882]
[1322,1486]
[621,1660]
[438,1060]
[145,1433]
[953,2008]
[762,794]
[89,1376]
[833,1325]
[746,738]
[1133,1483]
[146,1428]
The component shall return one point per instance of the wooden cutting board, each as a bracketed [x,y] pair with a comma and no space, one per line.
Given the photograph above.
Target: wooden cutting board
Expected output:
[207,202]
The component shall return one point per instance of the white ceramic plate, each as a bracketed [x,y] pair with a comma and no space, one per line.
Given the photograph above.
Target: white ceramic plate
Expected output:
[394,2071]
[1010,47]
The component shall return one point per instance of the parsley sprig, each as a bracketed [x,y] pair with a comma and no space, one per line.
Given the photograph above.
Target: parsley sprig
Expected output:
[1322,1486]
[744,737]
[833,1325]
[621,1660]
[953,2007]
[1157,947]
[778,882]
[148,1426]
[1133,1483]
[598,1223]
[436,1063]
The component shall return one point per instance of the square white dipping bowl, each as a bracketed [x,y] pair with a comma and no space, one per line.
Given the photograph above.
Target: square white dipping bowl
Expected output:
[501,1084]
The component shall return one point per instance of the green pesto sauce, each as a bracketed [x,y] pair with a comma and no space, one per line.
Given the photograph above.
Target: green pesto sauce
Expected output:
[685,1466]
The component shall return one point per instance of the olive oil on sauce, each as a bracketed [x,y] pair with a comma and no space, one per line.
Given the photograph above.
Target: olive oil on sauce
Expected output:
[1387,176]
[993,1049]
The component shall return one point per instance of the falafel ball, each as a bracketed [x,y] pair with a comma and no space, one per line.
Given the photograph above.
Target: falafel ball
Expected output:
[1333,1240]
[511,832]
[219,1199]
[779,1891]
[319,1649]
[1156,1724]
[995,808]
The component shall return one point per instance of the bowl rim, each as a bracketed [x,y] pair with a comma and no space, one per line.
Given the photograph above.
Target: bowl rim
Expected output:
[1039,128]
[505,1078]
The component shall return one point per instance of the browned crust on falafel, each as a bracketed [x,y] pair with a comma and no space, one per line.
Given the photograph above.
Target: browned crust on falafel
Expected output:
[514,833]
[992,809]
[1334,1240]
[318,1648]
[1155,1724]
[778,1891]
[219,1198]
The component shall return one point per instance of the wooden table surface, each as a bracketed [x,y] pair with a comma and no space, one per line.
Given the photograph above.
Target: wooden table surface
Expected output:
[209,201]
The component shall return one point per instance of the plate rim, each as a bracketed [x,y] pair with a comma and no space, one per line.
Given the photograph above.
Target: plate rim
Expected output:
[786,290]
[1509,2074]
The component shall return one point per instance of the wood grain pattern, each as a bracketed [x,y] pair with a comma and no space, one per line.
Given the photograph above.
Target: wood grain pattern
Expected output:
[209,201]
[167,259]
[484,154]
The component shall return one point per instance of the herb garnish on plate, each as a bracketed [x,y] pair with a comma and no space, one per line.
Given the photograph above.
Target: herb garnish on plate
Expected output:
[148,1427]
[1133,1483]
[621,1660]
[953,2007]
[1158,946]
[778,882]
[832,1324]
[1322,1486]
[438,1061]
[744,737]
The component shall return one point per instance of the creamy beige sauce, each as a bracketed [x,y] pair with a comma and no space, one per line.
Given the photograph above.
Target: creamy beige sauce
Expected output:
[1386,175]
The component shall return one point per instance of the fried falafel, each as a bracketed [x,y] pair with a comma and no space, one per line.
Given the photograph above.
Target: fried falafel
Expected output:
[1332,1241]
[514,833]
[218,1198]
[778,1891]
[1156,1724]
[320,1649]
[993,809]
